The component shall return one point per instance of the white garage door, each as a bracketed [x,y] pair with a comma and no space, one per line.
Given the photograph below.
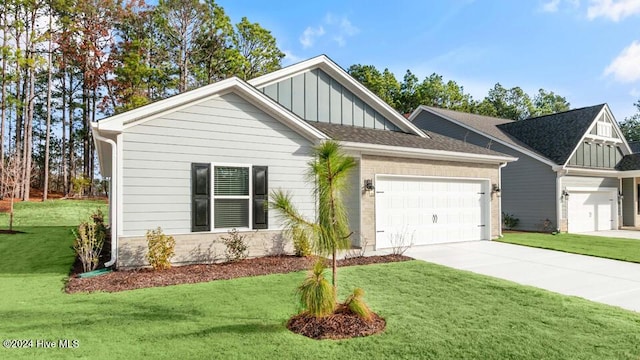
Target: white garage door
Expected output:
[591,211]
[430,211]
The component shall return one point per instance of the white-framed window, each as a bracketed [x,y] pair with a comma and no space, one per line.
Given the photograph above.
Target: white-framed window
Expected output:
[226,196]
[231,196]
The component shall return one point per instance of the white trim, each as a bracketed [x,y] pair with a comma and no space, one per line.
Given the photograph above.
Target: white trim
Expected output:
[591,189]
[500,199]
[559,200]
[406,152]
[596,138]
[249,197]
[113,183]
[120,184]
[331,68]
[520,149]
[134,117]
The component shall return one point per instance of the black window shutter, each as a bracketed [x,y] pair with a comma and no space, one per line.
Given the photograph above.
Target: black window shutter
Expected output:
[200,197]
[260,195]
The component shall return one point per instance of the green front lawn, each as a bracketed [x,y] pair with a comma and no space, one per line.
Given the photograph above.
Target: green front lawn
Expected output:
[611,248]
[431,311]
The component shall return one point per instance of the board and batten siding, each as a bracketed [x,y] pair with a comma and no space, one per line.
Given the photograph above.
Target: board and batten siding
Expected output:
[628,202]
[316,96]
[528,189]
[596,155]
[157,157]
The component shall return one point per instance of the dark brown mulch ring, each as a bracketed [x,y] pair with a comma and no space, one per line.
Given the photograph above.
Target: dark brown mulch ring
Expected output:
[189,274]
[341,325]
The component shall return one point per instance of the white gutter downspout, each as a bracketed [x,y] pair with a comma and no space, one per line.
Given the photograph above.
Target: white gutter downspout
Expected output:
[113,220]
[502,165]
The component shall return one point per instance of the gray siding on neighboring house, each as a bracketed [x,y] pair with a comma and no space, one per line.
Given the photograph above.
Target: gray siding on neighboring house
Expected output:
[227,129]
[302,93]
[628,202]
[528,185]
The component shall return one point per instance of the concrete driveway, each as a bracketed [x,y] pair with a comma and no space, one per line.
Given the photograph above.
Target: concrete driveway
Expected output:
[607,281]
[627,234]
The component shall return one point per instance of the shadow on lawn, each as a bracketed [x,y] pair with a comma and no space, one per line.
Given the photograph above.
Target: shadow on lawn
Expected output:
[245,328]
[37,250]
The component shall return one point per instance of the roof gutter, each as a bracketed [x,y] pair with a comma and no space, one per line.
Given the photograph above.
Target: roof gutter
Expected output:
[388,150]
[112,184]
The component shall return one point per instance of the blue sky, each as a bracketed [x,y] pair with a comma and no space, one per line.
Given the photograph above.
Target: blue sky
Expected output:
[585,50]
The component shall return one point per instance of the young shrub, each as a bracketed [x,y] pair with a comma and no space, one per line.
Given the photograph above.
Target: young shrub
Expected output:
[88,245]
[161,249]
[316,293]
[509,221]
[301,243]
[356,304]
[236,246]
[98,219]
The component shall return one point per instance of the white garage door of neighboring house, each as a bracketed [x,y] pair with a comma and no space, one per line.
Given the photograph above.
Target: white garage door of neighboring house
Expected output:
[591,211]
[430,210]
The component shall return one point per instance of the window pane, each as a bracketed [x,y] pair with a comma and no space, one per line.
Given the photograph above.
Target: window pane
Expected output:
[231,213]
[231,181]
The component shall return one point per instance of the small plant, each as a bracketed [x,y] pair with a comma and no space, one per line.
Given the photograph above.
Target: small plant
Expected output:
[98,219]
[301,243]
[80,185]
[316,293]
[400,243]
[161,249]
[509,221]
[356,304]
[547,226]
[236,246]
[88,245]
[357,252]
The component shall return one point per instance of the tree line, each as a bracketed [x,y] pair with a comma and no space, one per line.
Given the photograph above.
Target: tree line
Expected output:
[406,95]
[66,63]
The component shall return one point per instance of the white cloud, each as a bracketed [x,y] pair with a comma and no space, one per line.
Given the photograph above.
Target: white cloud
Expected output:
[338,28]
[614,10]
[551,6]
[626,66]
[309,36]
[290,58]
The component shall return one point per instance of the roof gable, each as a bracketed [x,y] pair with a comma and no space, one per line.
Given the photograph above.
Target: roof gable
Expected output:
[556,136]
[486,126]
[320,90]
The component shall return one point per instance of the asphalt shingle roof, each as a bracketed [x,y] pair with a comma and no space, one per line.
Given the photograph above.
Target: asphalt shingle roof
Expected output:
[635,146]
[629,162]
[400,139]
[555,136]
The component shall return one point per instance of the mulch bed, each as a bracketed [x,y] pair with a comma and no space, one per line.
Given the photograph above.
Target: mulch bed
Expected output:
[189,274]
[341,325]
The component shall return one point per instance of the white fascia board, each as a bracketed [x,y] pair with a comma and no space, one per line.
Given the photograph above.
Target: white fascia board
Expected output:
[520,149]
[149,112]
[592,172]
[626,150]
[331,68]
[406,152]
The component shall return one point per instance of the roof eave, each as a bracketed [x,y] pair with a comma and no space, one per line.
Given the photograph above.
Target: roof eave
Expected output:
[408,152]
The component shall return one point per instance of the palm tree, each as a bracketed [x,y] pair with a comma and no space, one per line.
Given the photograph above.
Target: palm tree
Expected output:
[328,171]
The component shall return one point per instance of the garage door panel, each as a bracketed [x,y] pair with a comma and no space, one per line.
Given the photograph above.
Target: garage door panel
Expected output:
[430,210]
[591,211]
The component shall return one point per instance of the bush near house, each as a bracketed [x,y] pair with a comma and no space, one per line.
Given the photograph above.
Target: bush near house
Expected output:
[161,249]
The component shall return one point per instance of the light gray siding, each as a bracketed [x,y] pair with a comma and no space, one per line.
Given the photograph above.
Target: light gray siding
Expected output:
[528,186]
[227,129]
[589,181]
[315,96]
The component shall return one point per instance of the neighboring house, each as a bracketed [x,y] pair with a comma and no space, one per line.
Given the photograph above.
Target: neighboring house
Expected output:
[203,162]
[575,171]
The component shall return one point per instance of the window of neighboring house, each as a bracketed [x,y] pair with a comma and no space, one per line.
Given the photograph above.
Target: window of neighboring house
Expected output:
[229,196]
